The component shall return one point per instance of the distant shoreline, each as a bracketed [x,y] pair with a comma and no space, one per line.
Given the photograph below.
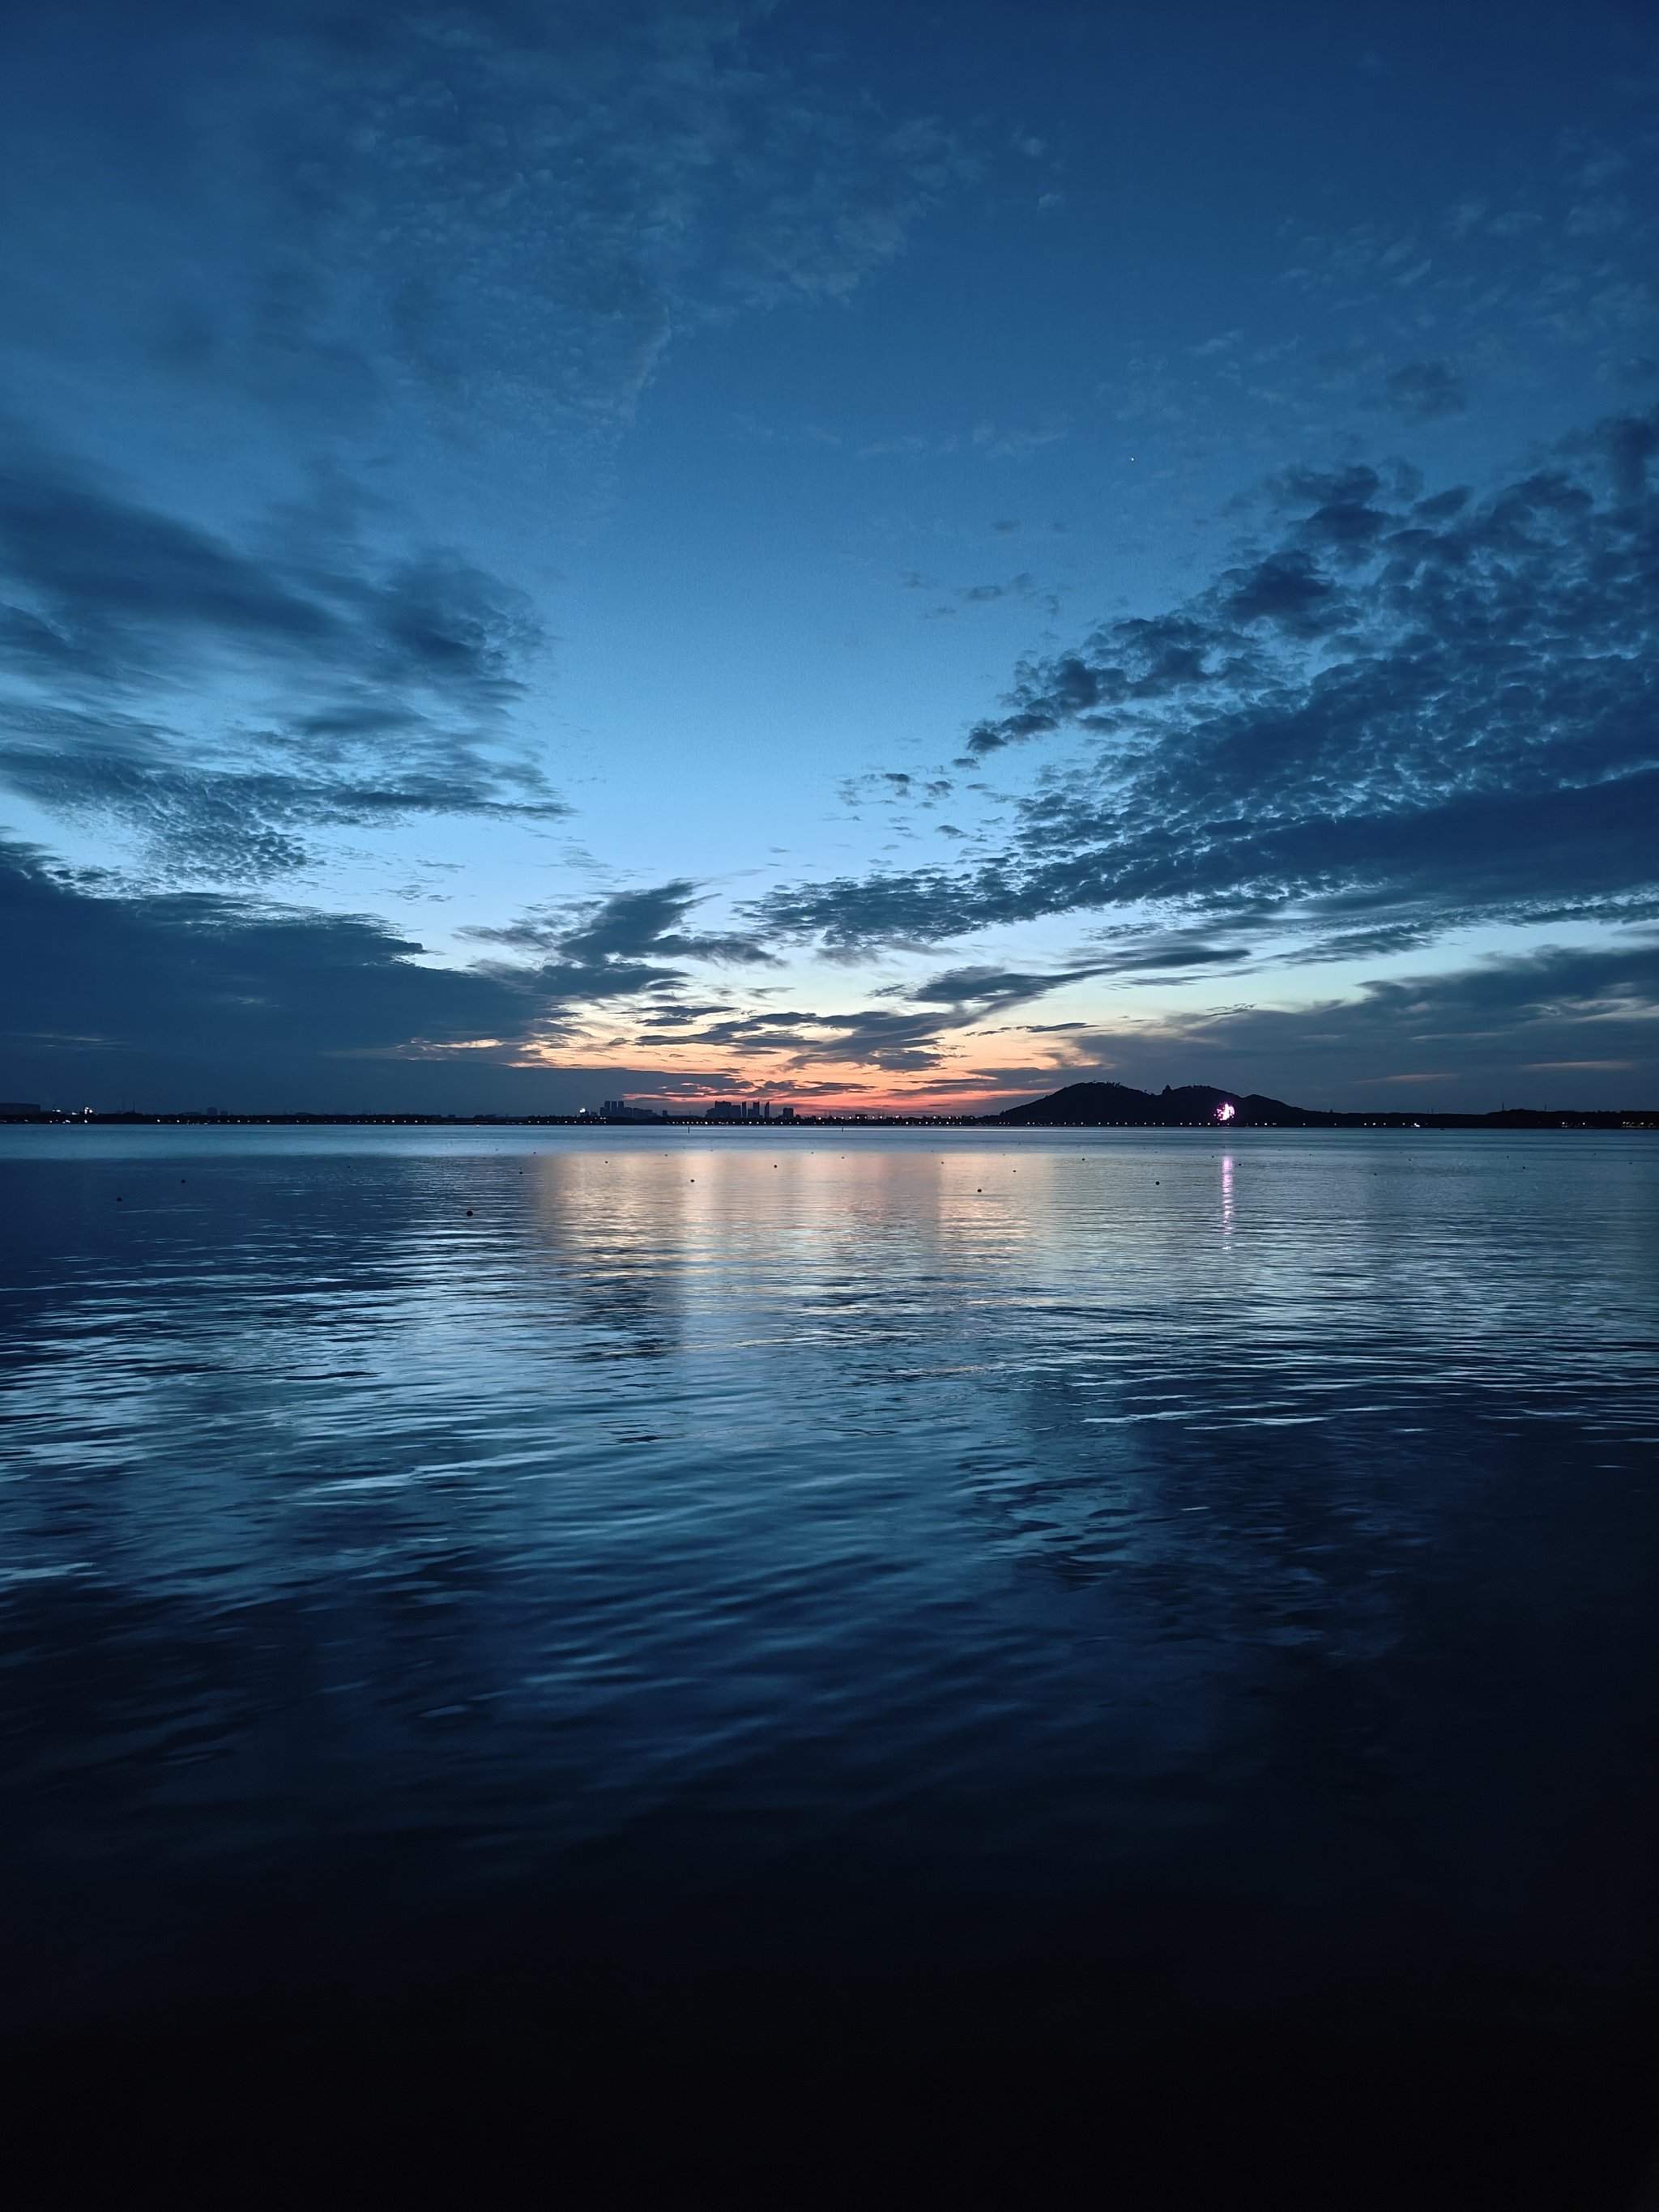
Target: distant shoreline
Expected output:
[1510,1118]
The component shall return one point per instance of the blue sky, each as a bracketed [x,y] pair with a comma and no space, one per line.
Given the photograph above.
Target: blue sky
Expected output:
[880,556]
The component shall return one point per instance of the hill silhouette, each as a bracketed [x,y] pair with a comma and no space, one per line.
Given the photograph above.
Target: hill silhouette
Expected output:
[1172,1107]
[1195,1105]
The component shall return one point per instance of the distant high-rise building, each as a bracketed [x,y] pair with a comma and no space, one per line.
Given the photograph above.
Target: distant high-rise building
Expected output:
[747,1110]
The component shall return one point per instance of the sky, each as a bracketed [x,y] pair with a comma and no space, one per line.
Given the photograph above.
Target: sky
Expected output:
[884,558]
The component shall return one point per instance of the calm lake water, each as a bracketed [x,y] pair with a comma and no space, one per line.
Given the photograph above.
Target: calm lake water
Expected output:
[1222,1571]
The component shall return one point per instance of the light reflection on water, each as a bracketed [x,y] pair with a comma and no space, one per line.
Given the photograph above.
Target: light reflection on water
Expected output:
[948,1546]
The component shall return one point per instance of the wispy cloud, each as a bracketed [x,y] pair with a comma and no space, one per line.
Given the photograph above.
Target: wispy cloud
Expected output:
[222,699]
[490,216]
[1424,391]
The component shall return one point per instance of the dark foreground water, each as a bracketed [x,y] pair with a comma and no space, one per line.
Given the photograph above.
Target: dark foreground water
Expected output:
[885,1601]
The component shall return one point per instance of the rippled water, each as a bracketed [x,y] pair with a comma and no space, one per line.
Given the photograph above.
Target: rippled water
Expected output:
[1231,1565]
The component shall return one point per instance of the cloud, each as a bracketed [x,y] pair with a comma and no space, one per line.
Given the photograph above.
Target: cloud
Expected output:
[1017,587]
[917,1036]
[801,1038]
[1288,590]
[1398,714]
[1164,959]
[1564,1024]
[200,980]
[628,934]
[221,700]
[978,991]
[480,214]
[1423,391]
[985,989]
[910,1038]
[270,1002]
[425,259]
[199,997]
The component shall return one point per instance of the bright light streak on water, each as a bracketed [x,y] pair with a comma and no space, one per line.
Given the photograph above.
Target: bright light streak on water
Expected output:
[1229,1558]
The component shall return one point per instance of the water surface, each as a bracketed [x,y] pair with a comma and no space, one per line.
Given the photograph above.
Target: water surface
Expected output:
[1225,1569]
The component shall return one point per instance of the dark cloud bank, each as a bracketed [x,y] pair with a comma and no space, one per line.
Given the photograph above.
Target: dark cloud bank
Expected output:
[190,1000]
